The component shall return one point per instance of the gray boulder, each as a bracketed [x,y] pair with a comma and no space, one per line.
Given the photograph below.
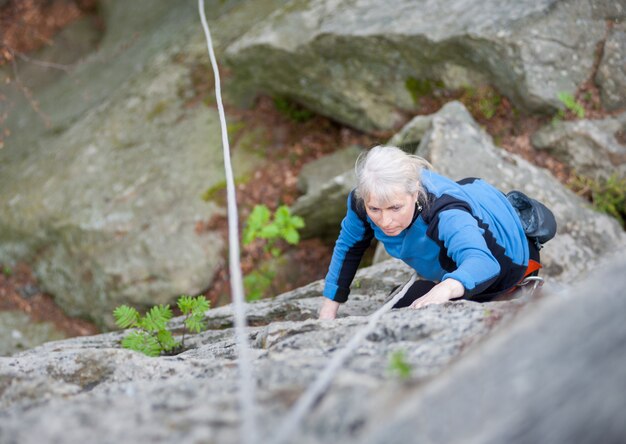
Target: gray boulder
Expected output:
[611,75]
[326,183]
[352,61]
[458,148]
[314,175]
[104,202]
[18,332]
[590,147]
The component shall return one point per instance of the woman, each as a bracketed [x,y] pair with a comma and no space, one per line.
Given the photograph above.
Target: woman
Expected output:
[464,238]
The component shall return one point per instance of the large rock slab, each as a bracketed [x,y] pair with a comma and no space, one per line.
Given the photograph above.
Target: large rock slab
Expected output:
[104,202]
[493,371]
[556,376]
[458,148]
[351,61]
[89,388]
[590,147]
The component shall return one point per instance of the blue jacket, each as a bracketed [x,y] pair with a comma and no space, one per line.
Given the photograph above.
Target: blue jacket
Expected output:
[467,231]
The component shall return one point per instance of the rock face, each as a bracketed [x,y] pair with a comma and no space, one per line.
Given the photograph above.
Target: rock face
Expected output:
[104,202]
[353,61]
[524,385]
[611,75]
[590,147]
[314,175]
[326,184]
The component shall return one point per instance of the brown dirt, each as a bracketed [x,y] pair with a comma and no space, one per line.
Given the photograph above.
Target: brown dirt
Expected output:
[19,292]
[27,25]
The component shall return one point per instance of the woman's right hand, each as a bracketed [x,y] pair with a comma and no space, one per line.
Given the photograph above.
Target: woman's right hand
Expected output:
[329,309]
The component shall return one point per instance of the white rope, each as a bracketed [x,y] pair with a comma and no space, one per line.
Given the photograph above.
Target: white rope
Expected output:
[249,433]
[316,390]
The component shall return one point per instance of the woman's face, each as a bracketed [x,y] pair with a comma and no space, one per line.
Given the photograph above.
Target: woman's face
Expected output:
[394,215]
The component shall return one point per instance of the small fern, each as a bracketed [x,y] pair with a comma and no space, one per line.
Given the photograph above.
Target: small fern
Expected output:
[193,309]
[571,104]
[151,336]
[143,342]
[126,317]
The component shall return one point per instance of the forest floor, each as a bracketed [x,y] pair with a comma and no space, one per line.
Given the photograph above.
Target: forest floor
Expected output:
[291,144]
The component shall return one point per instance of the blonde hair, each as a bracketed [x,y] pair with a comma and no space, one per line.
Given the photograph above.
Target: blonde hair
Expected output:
[384,170]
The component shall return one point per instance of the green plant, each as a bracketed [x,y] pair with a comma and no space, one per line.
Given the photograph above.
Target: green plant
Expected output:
[152,337]
[489,103]
[6,270]
[257,282]
[607,195]
[292,110]
[261,225]
[193,309]
[398,365]
[419,88]
[571,104]
[481,101]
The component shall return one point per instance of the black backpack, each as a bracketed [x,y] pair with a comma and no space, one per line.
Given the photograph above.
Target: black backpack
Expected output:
[537,220]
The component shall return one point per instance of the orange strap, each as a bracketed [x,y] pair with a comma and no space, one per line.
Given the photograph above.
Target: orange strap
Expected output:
[532,267]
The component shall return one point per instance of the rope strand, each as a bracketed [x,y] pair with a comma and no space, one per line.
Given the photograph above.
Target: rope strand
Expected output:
[246,380]
[316,390]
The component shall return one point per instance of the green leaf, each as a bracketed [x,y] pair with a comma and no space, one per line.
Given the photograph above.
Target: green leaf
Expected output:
[166,340]
[260,216]
[195,323]
[269,232]
[297,222]
[185,304]
[282,215]
[200,305]
[291,236]
[248,236]
[142,342]
[157,318]
[125,316]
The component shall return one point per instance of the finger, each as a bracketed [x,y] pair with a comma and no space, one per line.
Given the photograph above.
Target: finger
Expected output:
[419,304]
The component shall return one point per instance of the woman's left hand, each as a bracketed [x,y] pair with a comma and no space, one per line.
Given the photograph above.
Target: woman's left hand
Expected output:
[440,293]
